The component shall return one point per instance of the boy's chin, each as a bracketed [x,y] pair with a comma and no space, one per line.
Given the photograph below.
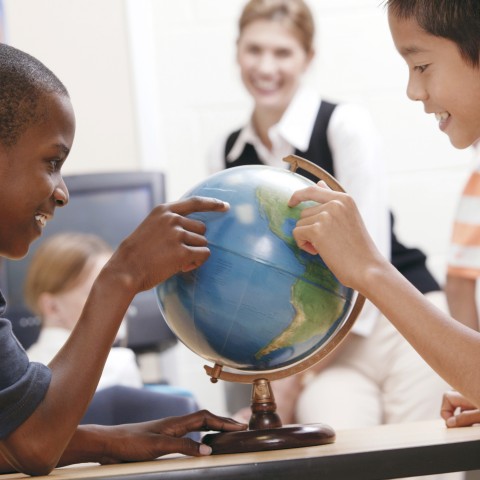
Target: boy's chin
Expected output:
[463,142]
[19,252]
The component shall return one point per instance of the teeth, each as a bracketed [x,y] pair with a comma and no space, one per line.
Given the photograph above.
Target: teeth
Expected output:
[441,116]
[41,219]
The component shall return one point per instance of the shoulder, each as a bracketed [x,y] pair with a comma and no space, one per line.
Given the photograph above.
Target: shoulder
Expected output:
[22,384]
[351,112]
[8,342]
[220,147]
[352,119]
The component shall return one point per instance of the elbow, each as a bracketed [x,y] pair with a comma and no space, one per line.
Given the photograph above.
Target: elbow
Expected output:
[33,456]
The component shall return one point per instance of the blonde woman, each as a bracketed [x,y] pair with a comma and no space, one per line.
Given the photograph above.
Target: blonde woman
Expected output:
[375,377]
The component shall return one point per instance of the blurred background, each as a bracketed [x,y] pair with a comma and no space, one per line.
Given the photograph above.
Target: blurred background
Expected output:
[154,83]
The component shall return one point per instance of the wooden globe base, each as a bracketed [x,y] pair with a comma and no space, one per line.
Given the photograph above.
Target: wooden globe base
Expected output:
[290,436]
[265,429]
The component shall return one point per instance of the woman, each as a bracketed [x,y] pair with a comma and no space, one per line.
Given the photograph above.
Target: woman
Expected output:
[375,376]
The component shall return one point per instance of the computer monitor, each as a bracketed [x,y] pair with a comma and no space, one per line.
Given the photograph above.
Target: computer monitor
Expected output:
[110,205]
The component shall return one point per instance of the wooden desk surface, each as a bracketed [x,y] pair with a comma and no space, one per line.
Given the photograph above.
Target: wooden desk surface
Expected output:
[387,451]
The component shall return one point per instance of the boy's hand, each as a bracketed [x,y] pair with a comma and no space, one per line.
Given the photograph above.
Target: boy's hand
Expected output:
[149,440]
[165,243]
[335,230]
[457,411]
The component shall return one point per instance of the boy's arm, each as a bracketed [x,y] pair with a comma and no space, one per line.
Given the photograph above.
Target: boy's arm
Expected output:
[334,229]
[165,243]
[462,302]
[138,442]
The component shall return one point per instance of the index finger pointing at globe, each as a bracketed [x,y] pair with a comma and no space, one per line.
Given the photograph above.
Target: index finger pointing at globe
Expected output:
[192,203]
[317,193]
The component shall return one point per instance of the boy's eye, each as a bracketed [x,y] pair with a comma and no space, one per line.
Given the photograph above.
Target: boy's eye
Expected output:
[55,164]
[420,68]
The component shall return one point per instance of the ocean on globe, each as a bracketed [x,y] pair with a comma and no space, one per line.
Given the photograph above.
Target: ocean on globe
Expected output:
[258,303]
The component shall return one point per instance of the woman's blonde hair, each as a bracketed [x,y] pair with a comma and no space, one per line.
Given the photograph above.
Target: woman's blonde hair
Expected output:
[58,264]
[294,14]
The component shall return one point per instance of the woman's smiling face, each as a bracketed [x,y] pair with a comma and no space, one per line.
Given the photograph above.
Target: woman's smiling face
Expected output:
[272,61]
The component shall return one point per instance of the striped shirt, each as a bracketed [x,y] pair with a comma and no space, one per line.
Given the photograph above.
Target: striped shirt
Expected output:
[464,254]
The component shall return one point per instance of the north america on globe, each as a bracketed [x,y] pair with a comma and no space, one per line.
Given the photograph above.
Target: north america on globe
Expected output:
[314,311]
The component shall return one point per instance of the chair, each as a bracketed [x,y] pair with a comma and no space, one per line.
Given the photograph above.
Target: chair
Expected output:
[118,405]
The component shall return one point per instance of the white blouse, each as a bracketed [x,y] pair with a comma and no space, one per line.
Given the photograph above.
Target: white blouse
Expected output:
[358,163]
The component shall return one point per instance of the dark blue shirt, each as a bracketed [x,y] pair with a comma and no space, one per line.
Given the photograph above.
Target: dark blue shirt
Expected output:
[23,384]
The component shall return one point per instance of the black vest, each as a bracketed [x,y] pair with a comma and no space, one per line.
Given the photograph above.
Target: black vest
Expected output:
[410,262]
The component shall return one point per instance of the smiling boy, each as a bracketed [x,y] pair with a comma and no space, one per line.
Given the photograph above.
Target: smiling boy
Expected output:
[40,407]
[440,42]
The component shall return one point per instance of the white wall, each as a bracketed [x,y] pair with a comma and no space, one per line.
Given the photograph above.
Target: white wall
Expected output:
[188,92]
[85,43]
[201,96]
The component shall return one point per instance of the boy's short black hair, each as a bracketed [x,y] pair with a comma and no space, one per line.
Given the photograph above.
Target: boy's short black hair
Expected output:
[456,20]
[24,80]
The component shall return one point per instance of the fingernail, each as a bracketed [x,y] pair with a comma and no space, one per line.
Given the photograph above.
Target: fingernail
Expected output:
[205,449]
[451,422]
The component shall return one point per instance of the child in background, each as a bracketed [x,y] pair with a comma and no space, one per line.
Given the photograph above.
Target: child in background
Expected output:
[59,279]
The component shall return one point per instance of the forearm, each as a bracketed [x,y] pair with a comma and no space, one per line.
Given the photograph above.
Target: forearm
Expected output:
[75,374]
[461,297]
[86,445]
[449,347]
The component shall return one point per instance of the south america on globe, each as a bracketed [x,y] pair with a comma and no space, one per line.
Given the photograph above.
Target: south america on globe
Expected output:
[259,303]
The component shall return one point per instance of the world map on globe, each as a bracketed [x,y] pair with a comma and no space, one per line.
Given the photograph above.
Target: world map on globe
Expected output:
[259,302]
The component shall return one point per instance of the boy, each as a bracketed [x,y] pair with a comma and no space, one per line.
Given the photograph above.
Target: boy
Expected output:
[40,407]
[440,42]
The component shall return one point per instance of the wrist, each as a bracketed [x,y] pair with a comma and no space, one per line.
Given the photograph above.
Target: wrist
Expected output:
[86,446]
[115,285]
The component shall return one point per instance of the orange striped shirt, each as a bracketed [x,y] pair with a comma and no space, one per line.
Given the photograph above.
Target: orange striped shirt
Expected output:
[464,254]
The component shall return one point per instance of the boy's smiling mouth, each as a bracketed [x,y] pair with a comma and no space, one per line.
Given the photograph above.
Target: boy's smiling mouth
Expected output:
[41,219]
[442,116]
[442,119]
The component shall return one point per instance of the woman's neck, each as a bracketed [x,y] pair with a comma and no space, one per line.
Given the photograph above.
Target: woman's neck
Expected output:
[262,121]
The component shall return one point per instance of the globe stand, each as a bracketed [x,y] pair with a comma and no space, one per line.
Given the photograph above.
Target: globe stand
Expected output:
[265,430]
[265,427]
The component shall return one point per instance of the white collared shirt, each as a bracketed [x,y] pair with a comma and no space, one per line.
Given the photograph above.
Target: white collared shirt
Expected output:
[359,167]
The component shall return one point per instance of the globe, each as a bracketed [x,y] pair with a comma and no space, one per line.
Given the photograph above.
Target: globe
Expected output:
[259,303]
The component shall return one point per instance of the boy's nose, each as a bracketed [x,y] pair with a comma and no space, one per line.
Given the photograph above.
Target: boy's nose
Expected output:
[415,91]
[61,194]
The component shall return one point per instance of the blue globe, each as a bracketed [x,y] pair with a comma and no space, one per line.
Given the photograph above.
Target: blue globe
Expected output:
[259,303]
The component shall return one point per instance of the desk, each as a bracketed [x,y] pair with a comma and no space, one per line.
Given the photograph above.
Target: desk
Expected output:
[387,451]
